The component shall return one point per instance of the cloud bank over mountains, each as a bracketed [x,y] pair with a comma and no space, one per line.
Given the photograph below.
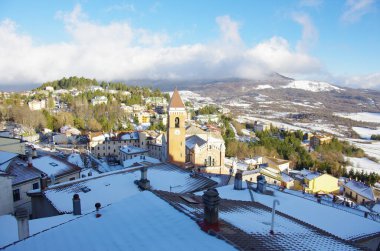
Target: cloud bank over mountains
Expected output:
[119,51]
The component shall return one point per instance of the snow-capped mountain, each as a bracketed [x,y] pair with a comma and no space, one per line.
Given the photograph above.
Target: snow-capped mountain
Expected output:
[312,86]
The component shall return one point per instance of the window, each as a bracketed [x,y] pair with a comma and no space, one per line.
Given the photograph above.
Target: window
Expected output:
[16,195]
[176,122]
[36,185]
[114,150]
[72,178]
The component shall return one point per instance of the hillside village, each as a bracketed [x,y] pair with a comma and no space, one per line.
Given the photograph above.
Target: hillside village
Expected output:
[78,155]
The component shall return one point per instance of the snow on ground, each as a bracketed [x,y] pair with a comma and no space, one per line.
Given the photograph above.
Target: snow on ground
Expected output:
[365,133]
[361,116]
[261,98]
[9,231]
[337,222]
[329,128]
[245,118]
[302,104]
[261,87]
[364,164]
[371,148]
[192,97]
[238,103]
[312,86]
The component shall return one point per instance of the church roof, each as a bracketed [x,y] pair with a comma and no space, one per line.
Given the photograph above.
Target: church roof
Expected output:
[176,101]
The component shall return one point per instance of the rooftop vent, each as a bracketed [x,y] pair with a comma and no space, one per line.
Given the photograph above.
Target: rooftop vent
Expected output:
[85,189]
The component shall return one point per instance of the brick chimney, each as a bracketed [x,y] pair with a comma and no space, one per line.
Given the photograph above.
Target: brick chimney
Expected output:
[238,183]
[211,201]
[30,156]
[43,181]
[76,205]
[22,217]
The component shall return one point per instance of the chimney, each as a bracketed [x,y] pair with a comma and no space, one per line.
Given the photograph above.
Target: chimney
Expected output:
[43,181]
[261,184]
[30,163]
[97,206]
[22,217]
[211,201]
[238,184]
[144,183]
[52,179]
[34,153]
[76,205]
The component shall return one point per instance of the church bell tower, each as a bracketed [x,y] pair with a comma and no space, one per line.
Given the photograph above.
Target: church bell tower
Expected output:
[176,138]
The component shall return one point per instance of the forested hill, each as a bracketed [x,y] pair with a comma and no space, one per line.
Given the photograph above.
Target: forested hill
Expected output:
[82,83]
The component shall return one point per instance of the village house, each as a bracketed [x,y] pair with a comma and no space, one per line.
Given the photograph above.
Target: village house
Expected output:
[98,100]
[36,105]
[261,126]
[206,118]
[49,88]
[315,182]
[13,145]
[317,140]
[111,145]
[359,192]
[129,152]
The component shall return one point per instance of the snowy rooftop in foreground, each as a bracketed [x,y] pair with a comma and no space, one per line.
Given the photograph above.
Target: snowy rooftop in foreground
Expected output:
[8,226]
[247,225]
[5,157]
[112,187]
[141,222]
[337,222]
[132,149]
[53,166]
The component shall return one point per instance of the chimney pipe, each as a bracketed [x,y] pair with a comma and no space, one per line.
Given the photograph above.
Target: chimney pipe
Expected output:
[76,205]
[30,164]
[22,217]
[34,153]
[238,183]
[144,183]
[211,201]
[261,184]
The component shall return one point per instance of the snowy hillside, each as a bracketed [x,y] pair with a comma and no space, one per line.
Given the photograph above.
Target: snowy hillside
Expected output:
[312,86]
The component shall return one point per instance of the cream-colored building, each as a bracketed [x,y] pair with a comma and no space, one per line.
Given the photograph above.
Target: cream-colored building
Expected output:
[359,192]
[317,140]
[204,148]
[6,205]
[36,105]
[12,145]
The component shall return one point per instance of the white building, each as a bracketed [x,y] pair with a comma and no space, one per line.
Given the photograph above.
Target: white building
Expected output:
[36,105]
[99,100]
[49,88]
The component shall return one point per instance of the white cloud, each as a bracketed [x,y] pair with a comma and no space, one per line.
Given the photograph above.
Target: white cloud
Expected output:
[355,9]
[118,51]
[309,32]
[229,29]
[370,81]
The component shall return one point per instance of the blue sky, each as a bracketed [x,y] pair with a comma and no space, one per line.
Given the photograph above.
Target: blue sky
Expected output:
[336,41]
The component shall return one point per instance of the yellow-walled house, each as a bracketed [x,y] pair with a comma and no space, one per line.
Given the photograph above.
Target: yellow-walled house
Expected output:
[321,183]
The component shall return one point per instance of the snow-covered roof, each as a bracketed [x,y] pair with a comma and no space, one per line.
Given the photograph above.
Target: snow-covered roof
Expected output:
[115,186]
[129,136]
[21,172]
[8,226]
[51,165]
[340,223]
[194,140]
[132,150]
[247,225]
[361,189]
[140,161]
[141,222]
[5,157]
[75,159]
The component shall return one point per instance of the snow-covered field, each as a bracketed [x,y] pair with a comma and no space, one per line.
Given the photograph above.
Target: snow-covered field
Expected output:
[312,86]
[361,116]
[365,133]
[364,164]
[371,148]
[261,87]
